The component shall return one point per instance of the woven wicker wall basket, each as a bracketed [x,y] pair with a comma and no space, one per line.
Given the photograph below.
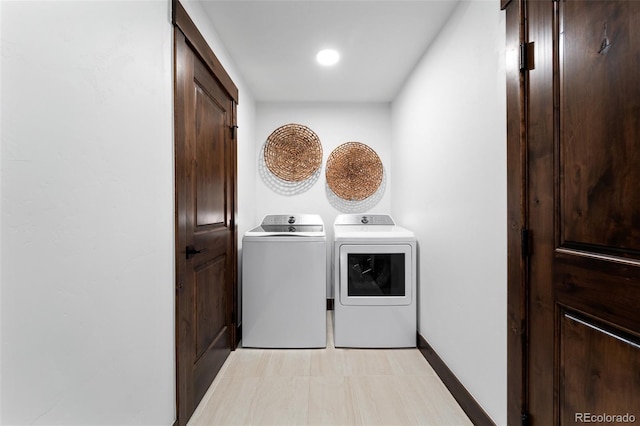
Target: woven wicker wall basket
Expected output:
[354,171]
[293,152]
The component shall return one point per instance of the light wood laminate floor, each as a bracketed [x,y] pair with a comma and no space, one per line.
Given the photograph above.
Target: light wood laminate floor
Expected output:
[328,387]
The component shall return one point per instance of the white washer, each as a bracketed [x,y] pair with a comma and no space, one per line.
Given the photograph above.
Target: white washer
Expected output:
[374,264]
[284,282]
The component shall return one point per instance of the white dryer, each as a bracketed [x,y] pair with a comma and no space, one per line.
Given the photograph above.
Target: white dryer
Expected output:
[375,266]
[284,283]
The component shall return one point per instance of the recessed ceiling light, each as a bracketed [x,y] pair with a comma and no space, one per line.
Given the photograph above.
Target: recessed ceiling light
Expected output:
[328,57]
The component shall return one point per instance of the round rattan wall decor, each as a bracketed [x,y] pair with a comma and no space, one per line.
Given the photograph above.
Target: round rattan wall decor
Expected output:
[354,171]
[293,152]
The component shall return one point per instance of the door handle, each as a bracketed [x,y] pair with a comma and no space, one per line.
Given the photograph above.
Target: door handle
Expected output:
[191,251]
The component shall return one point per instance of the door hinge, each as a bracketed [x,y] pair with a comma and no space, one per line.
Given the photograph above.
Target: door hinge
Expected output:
[524,417]
[233,131]
[527,62]
[527,242]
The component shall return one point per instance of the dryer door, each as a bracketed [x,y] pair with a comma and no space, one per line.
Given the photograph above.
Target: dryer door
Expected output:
[375,275]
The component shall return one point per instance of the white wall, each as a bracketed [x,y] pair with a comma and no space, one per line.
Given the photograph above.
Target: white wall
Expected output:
[335,124]
[449,185]
[87,213]
[87,296]
[1,121]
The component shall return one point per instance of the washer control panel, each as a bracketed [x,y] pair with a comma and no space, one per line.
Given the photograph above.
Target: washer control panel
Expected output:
[292,219]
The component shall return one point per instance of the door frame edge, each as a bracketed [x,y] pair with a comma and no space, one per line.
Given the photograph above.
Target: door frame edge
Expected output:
[517,265]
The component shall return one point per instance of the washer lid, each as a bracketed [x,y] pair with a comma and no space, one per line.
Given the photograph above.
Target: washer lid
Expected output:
[288,229]
[300,231]
[289,225]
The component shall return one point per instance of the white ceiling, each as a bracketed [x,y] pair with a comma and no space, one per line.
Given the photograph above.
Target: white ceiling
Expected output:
[274,43]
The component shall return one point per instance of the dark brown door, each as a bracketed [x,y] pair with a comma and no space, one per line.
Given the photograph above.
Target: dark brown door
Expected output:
[205,225]
[582,204]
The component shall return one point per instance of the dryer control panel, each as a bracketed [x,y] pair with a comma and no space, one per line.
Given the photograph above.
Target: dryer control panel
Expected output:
[364,219]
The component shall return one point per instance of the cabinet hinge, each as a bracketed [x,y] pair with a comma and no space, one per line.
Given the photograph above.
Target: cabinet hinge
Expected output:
[233,131]
[524,417]
[527,62]
[527,242]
